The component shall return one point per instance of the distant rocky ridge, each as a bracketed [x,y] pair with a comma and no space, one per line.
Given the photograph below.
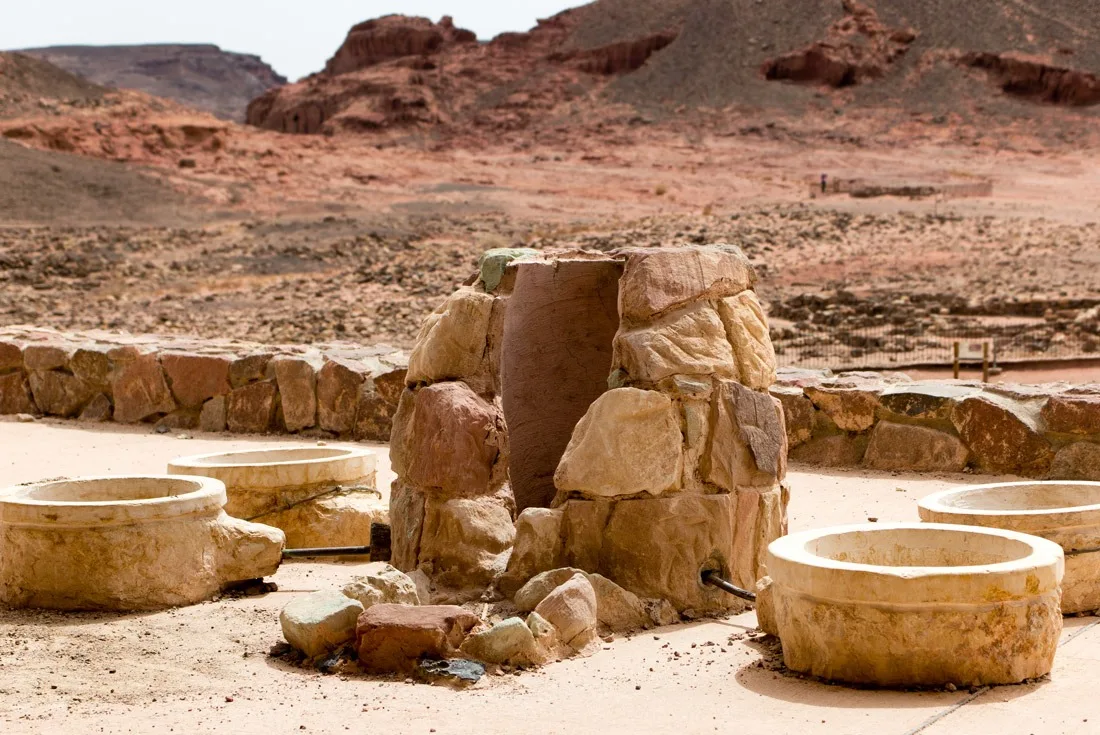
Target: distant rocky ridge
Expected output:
[201,76]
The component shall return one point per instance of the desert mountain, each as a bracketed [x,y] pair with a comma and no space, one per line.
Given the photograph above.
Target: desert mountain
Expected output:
[200,76]
[996,58]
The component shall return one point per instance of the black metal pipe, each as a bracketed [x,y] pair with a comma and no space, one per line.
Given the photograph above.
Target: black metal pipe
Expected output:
[711,577]
[329,551]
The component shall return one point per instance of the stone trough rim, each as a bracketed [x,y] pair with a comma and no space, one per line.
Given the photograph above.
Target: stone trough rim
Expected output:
[345,453]
[792,565]
[207,497]
[1052,517]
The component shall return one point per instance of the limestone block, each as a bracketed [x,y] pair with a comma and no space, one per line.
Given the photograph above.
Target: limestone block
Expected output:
[798,414]
[839,450]
[583,525]
[381,583]
[538,587]
[139,389]
[98,409]
[765,607]
[392,638]
[571,609]
[697,437]
[929,401]
[15,394]
[691,341]
[629,442]
[250,409]
[92,365]
[46,357]
[508,642]
[451,342]
[465,540]
[617,609]
[407,506]
[213,414]
[296,378]
[538,547]
[319,622]
[453,440]
[851,409]
[747,331]
[760,517]
[914,448]
[249,369]
[1003,436]
[59,394]
[1072,414]
[657,548]
[748,446]
[1077,461]
[337,519]
[659,280]
[195,378]
[337,396]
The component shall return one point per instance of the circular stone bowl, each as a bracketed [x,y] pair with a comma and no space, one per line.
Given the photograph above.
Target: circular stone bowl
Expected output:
[126,543]
[1067,513]
[916,605]
[267,481]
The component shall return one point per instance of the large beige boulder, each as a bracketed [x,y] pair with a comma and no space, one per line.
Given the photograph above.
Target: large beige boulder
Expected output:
[319,622]
[510,641]
[538,547]
[466,540]
[748,446]
[659,280]
[451,342]
[747,330]
[851,409]
[617,609]
[380,583]
[538,587]
[571,608]
[691,341]
[914,448]
[629,442]
[1003,435]
[451,441]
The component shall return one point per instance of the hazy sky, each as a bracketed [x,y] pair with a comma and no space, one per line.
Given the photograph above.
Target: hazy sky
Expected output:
[294,36]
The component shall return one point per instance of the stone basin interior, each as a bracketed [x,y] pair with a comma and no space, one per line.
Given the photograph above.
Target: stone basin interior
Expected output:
[113,490]
[271,456]
[1039,496]
[556,355]
[918,548]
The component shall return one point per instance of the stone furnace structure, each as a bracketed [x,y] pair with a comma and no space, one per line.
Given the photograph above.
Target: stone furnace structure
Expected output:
[618,402]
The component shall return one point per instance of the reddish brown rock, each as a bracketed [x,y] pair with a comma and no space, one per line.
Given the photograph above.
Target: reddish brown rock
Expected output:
[93,366]
[212,417]
[249,369]
[251,408]
[337,396]
[851,409]
[45,357]
[923,400]
[391,638]
[1003,436]
[760,517]
[15,395]
[297,381]
[98,409]
[798,414]
[195,378]
[1072,414]
[914,448]
[139,389]
[393,37]
[1077,461]
[390,385]
[454,440]
[11,357]
[840,450]
[59,394]
[406,525]
[374,415]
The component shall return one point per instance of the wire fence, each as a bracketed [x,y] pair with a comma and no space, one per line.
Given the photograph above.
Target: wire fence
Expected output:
[932,343]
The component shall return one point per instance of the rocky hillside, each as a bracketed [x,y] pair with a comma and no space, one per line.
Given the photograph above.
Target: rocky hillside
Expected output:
[994,58]
[28,84]
[199,76]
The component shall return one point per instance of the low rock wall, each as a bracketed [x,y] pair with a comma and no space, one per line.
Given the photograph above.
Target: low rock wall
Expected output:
[886,421]
[338,390]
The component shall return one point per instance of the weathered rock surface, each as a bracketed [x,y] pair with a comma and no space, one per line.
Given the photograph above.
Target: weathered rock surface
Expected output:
[571,608]
[617,609]
[749,442]
[139,389]
[1002,435]
[381,583]
[538,587]
[1077,461]
[840,450]
[296,379]
[747,330]
[337,396]
[629,442]
[508,642]
[59,394]
[798,413]
[915,448]
[335,519]
[465,539]
[15,395]
[392,638]
[688,342]
[1072,414]
[452,340]
[851,409]
[250,409]
[662,279]
[320,622]
[195,378]
[538,547]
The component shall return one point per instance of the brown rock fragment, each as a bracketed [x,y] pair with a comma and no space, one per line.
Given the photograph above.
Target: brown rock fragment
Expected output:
[213,414]
[250,409]
[139,389]
[1002,435]
[1072,414]
[337,396]
[662,279]
[297,381]
[59,394]
[391,638]
[195,378]
[748,446]
[915,448]
[15,395]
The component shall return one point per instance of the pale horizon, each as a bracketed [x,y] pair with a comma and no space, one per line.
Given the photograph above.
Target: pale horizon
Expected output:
[294,38]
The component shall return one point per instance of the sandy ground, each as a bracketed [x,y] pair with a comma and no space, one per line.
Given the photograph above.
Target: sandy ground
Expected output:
[204,669]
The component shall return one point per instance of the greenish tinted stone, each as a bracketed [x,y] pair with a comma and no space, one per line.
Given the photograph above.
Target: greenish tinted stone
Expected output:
[493,262]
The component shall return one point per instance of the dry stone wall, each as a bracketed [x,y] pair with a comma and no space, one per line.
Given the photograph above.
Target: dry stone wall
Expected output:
[886,421]
[339,390]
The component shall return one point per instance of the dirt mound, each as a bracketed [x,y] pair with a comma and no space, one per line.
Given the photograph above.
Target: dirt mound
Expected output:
[200,76]
[30,84]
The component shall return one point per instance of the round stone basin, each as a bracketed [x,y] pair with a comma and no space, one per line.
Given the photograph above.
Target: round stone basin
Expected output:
[1067,513]
[272,480]
[126,543]
[903,605]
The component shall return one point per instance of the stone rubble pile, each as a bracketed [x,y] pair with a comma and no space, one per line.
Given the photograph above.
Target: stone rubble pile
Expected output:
[886,421]
[339,390]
